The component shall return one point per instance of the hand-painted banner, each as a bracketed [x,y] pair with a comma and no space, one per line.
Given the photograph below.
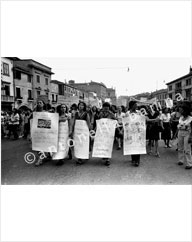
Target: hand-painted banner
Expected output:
[63,147]
[169,103]
[44,131]
[104,138]
[134,135]
[81,140]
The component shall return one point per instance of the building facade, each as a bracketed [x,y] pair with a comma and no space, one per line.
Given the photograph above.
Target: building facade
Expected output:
[182,85]
[7,87]
[40,77]
[23,87]
[99,88]
[111,94]
[160,95]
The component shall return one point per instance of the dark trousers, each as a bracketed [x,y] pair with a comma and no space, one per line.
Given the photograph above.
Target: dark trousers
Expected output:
[135,158]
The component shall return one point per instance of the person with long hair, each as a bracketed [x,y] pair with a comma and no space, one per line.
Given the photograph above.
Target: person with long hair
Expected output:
[62,110]
[184,131]
[119,130]
[40,107]
[155,126]
[80,115]
[133,110]
[107,113]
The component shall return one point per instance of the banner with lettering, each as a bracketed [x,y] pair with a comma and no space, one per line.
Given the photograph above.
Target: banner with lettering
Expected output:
[134,134]
[62,148]
[81,140]
[44,131]
[169,103]
[104,138]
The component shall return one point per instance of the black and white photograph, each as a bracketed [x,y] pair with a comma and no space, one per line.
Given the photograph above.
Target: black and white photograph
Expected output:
[128,121]
[96,120]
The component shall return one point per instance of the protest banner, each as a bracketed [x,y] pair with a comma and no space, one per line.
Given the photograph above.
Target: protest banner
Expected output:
[134,141]
[104,138]
[81,140]
[62,148]
[169,103]
[44,131]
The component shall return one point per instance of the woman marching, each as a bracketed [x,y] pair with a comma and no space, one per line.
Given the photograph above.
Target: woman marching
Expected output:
[184,131]
[133,111]
[41,107]
[80,115]
[166,133]
[119,130]
[106,113]
[62,110]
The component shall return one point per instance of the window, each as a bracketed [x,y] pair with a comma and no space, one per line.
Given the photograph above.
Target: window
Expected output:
[18,92]
[52,97]
[170,88]
[178,85]
[38,93]
[6,69]
[17,75]
[7,90]
[46,81]
[38,78]
[56,98]
[29,78]
[170,96]
[188,82]
[29,94]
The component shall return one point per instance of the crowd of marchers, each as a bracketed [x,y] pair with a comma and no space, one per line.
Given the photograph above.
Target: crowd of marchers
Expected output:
[170,125]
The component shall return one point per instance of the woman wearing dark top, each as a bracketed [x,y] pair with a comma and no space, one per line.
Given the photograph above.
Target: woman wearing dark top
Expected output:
[80,115]
[155,127]
[106,113]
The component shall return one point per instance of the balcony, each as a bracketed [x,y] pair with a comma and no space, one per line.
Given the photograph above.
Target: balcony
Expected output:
[5,98]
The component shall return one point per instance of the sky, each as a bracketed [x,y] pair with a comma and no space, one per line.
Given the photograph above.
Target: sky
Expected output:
[127,75]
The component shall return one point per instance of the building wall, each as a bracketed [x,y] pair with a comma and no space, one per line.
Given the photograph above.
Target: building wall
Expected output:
[54,93]
[8,78]
[111,93]
[41,86]
[7,101]
[24,86]
[185,89]
[98,88]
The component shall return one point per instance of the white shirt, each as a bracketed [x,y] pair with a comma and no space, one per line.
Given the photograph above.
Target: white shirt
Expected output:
[185,123]
[165,117]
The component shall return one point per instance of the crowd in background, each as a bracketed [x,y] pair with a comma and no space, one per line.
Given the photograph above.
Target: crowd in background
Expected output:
[165,124]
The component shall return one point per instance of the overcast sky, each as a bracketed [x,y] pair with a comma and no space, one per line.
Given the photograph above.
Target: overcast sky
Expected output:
[128,76]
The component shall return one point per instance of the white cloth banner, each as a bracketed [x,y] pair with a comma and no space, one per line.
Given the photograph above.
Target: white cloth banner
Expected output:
[134,135]
[62,148]
[169,103]
[44,131]
[104,138]
[81,140]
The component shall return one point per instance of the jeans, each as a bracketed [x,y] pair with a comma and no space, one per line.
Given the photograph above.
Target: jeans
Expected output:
[184,148]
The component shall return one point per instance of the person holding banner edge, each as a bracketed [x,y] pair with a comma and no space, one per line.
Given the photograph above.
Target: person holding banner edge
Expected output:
[80,115]
[63,117]
[106,113]
[133,111]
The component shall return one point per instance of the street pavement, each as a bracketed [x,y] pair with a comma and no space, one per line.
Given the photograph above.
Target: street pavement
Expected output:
[152,170]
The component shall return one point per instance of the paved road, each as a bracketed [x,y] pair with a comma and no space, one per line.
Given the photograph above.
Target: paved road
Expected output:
[153,170]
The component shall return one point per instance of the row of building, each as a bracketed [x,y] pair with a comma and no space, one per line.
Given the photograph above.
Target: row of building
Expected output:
[23,81]
[182,85]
